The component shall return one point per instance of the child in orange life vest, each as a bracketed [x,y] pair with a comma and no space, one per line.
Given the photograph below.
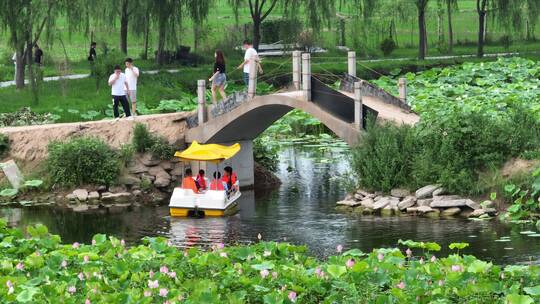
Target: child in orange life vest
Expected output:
[217,184]
[188,182]
[201,180]
[230,178]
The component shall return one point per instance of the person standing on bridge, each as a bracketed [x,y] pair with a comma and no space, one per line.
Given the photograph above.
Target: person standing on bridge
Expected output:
[250,55]
[219,78]
[118,82]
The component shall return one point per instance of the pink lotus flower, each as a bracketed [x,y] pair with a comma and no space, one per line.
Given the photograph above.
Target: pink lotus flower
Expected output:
[169,243]
[274,275]
[259,236]
[147,293]
[421,261]
[401,285]
[433,259]
[76,245]
[151,274]
[72,289]
[172,274]
[441,282]
[10,287]
[339,248]
[164,269]
[267,253]
[87,301]
[264,273]
[94,290]
[153,284]
[20,266]
[408,252]
[380,257]
[64,264]
[349,263]
[81,276]
[86,259]
[185,254]
[122,243]
[163,292]
[38,253]
[318,271]
[292,296]
[223,254]
[220,246]
[167,302]
[94,242]
[502,275]
[456,268]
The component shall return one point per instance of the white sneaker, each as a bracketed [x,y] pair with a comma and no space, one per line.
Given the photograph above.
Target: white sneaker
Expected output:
[116,119]
[129,118]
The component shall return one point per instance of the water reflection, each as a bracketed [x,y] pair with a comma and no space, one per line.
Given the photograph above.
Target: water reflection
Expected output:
[300,211]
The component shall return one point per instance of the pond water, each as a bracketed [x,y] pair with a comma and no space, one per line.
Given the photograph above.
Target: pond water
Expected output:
[301,211]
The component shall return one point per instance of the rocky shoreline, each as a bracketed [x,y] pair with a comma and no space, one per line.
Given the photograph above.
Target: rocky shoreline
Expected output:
[430,201]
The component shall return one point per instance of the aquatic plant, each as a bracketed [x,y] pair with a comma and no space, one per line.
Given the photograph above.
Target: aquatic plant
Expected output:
[40,268]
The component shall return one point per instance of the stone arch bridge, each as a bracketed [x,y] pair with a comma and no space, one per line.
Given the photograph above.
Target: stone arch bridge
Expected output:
[243,116]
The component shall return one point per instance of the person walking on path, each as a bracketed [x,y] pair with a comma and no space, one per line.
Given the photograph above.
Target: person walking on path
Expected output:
[92,53]
[250,55]
[14,59]
[118,84]
[219,78]
[38,60]
[132,75]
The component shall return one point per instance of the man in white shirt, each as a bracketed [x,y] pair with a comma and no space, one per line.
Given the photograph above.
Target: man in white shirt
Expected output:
[119,84]
[132,74]
[251,54]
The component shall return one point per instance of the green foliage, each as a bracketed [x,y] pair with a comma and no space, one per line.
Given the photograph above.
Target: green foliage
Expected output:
[83,160]
[265,153]
[186,103]
[10,192]
[125,153]
[25,117]
[506,41]
[383,159]
[285,30]
[525,201]
[34,183]
[40,268]
[104,66]
[144,141]
[387,46]
[142,138]
[4,145]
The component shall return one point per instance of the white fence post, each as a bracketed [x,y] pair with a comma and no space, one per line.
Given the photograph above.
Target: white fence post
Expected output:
[252,86]
[402,88]
[306,76]
[297,69]
[352,63]
[358,111]
[201,98]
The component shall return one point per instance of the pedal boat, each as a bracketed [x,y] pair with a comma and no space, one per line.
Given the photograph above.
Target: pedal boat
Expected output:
[185,202]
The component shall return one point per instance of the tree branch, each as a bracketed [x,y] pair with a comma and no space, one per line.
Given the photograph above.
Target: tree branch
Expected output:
[270,9]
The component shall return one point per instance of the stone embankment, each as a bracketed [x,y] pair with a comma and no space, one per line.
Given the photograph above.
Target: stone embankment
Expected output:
[429,201]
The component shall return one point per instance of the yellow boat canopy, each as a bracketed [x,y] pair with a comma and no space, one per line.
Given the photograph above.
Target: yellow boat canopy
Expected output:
[209,152]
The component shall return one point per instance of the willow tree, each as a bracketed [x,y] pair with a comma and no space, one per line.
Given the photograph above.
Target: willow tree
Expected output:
[316,12]
[198,11]
[123,10]
[167,15]
[532,12]
[421,7]
[141,24]
[451,6]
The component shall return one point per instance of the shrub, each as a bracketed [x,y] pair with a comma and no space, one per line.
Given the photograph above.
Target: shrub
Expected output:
[265,154]
[505,41]
[144,141]
[126,152]
[161,149]
[83,160]
[4,145]
[387,46]
[142,138]
[382,161]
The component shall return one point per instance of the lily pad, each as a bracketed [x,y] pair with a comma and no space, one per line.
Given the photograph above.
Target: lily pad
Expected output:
[10,192]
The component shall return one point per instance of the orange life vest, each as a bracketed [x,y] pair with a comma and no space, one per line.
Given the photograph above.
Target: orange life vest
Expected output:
[216,185]
[189,183]
[230,182]
[202,182]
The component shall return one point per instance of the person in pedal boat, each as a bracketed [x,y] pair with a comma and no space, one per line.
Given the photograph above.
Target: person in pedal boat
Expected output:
[231,179]
[217,184]
[201,181]
[189,182]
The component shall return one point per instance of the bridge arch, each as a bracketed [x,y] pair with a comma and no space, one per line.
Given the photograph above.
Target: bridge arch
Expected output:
[251,118]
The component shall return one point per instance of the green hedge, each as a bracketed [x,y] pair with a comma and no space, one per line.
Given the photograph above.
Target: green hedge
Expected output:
[83,160]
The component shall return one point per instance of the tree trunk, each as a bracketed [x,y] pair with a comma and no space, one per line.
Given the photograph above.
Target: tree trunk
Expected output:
[256,32]
[450,30]
[422,43]
[342,40]
[161,43]
[31,74]
[146,38]
[481,32]
[124,18]
[19,69]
